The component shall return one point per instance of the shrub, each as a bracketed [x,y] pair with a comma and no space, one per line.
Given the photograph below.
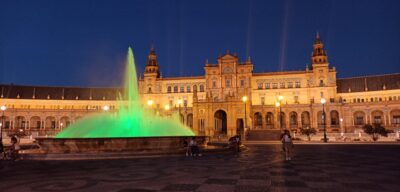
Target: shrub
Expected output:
[308,131]
[375,130]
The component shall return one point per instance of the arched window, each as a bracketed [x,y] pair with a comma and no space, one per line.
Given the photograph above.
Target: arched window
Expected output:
[175,89]
[188,89]
[169,89]
[201,88]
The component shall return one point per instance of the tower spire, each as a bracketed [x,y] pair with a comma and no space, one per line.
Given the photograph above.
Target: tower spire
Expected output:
[319,55]
[152,63]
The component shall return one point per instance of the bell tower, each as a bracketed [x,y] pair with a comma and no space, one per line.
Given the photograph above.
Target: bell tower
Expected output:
[152,64]
[320,65]
[151,73]
[319,56]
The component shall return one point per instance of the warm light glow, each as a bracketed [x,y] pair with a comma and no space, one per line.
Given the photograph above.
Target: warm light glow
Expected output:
[277,104]
[341,119]
[280,97]
[61,124]
[323,101]
[166,107]
[244,98]
[179,101]
[106,108]
[150,102]
[3,107]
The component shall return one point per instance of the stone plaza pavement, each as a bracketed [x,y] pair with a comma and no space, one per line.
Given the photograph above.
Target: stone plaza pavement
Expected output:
[316,167]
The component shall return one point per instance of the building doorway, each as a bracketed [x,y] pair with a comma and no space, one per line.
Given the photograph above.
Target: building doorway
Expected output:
[220,122]
[239,127]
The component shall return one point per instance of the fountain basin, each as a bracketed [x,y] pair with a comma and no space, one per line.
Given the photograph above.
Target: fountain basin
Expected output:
[128,144]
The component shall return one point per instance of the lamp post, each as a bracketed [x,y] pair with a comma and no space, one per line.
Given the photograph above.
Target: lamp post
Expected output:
[179,109]
[323,101]
[341,126]
[166,108]
[279,104]
[3,108]
[244,99]
[150,103]
[106,108]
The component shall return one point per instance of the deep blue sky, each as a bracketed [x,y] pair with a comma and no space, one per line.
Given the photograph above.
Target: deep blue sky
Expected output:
[84,43]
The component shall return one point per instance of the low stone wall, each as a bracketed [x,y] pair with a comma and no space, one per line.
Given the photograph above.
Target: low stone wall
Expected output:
[347,137]
[96,145]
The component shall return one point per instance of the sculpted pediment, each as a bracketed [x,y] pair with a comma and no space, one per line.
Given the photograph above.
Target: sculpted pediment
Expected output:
[228,56]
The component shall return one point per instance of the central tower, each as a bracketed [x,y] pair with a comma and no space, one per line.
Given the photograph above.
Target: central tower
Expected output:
[222,113]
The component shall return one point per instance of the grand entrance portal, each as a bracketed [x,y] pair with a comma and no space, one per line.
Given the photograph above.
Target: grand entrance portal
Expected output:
[220,122]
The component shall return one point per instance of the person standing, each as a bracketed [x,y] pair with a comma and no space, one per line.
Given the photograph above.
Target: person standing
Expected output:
[238,143]
[194,148]
[14,148]
[287,144]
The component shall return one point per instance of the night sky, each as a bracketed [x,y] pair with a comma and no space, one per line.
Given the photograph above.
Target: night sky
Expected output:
[84,43]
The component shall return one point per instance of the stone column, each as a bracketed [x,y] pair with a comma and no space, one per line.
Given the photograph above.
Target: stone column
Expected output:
[384,118]
[327,118]
[369,121]
[299,120]
[263,121]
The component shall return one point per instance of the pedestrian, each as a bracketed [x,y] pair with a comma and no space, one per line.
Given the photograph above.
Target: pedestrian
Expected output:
[237,142]
[287,144]
[194,148]
[14,148]
[187,146]
[2,152]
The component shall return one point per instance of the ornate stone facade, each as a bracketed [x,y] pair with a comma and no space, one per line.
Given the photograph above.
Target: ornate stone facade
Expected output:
[213,104]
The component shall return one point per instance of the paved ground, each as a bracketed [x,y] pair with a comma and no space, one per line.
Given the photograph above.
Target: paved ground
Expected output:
[261,168]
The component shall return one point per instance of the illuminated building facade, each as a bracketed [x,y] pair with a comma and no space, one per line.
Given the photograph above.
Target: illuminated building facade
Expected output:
[214,104]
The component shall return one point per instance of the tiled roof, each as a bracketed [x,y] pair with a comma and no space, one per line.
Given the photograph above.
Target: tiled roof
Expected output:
[56,93]
[368,83]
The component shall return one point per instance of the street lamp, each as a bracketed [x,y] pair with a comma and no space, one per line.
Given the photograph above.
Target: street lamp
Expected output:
[244,99]
[3,108]
[150,103]
[279,104]
[179,109]
[106,108]
[341,127]
[166,108]
[323,101]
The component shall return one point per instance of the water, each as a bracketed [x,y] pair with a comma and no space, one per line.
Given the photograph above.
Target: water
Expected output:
[131,120]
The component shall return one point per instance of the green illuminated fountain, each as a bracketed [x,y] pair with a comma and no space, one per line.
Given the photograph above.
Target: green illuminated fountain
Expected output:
[131,120]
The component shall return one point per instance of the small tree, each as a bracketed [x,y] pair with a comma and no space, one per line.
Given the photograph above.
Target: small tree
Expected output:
[308,131]
[376,130]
